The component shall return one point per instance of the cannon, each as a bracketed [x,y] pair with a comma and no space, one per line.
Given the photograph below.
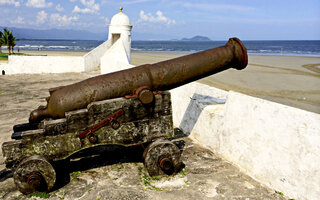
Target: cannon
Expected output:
[129,107]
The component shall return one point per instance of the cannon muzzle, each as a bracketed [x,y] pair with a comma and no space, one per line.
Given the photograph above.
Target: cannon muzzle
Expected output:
[164,75]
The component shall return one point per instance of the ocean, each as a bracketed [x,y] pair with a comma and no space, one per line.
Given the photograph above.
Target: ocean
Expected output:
[277,47]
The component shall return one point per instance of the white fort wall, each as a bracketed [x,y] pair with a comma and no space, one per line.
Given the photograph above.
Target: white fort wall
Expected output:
[276,144]
[114,59]
[19,64]
[92,58]
[91,61]
[43,64]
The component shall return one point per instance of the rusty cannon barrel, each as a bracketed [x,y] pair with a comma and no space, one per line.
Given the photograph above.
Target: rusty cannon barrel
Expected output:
[142,80]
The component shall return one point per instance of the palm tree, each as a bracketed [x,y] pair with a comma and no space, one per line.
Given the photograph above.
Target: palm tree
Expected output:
[12,41]
[1,40]
[6,38]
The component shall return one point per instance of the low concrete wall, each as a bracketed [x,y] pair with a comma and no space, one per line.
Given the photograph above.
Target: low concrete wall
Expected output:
[43,64]
[189,100]
[3,65]
[276,144]
[55,64]
[92,58]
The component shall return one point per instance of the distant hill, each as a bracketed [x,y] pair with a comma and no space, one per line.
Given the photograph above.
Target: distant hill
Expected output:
[60,34]
[65,34]
[196,38]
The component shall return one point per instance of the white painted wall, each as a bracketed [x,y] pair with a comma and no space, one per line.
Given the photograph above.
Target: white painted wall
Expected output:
[3,65]
[43,64]
[125,36]
[186,103]
[276,144]
[18,64]
[115,59]
[92,58]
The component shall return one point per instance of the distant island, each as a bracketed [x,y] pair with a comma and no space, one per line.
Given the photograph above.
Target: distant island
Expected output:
[196,38]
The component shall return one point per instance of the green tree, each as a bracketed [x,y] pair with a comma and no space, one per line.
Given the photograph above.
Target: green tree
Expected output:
[1,40]
[6,38]
[9,40]
[12,41]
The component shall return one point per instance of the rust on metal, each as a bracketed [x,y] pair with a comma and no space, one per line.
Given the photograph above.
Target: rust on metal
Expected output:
[165,163]
[34,180]
[164,75]
[111,120]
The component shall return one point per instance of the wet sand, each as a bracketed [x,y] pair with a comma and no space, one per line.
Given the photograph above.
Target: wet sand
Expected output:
[289,80]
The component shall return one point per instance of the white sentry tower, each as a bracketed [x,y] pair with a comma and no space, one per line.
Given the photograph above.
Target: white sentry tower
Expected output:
[120,28]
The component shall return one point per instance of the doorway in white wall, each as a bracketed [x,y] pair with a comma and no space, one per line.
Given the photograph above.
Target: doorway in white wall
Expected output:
[115,37]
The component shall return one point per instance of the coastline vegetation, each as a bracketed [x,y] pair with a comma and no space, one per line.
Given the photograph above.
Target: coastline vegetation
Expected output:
[7,39]
[4,56]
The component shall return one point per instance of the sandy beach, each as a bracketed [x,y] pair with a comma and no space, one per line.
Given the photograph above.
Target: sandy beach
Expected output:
[289,80]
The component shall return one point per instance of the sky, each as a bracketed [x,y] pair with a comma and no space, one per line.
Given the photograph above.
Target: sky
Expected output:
[173,19]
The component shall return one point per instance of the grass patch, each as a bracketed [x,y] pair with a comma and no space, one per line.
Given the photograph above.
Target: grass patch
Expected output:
[147,182]
[156,178]
[77,173]
[279,193]
[63,194]
[119,166]
[4,56]
[140,169]
[183,173]
[42,195]
[74,175]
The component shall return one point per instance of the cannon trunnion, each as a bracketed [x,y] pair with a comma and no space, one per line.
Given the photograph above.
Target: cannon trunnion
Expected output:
[127,108]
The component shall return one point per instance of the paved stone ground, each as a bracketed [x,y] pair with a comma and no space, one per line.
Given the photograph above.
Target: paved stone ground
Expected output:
[115,173]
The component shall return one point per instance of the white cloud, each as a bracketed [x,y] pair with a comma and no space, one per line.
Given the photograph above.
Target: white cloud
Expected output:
[19,20]
[38,3]
[41,17]
[59,8]
[10,2]
[76,9]
[90,7]
[60,20]
[159,18]
[73,1]
[106,20]
[88,3]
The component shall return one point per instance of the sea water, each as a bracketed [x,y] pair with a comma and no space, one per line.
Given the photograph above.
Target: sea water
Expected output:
[277,47]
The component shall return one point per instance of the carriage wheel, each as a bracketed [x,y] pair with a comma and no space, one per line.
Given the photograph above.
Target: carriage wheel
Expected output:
[34,174]
[162,157]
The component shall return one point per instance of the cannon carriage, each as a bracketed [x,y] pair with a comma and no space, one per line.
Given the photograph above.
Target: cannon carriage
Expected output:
[129,107]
